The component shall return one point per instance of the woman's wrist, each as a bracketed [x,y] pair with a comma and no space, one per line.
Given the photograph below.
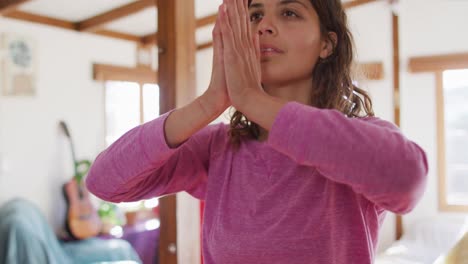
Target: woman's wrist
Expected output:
[249,99]
[211,104]
[260,107]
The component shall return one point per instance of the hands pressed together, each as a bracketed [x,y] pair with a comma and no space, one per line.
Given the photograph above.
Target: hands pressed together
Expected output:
[236,60]
[236,75]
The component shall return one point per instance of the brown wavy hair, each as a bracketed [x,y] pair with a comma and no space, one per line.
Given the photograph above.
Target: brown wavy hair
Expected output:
[333,87]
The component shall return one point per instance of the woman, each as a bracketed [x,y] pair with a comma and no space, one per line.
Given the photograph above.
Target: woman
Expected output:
[298,176]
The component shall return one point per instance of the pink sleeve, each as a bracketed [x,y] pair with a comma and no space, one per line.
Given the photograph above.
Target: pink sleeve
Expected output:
[140,165]
[370,155]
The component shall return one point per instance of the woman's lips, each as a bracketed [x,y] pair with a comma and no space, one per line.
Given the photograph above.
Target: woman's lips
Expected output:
[268,50]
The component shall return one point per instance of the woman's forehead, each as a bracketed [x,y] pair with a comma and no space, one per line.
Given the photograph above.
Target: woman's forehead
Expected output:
[260,3]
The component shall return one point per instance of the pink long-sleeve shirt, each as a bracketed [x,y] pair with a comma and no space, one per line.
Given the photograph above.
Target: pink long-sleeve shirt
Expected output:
[315,192]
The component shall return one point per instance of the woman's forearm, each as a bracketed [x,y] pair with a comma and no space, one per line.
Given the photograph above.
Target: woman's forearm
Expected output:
[182,123]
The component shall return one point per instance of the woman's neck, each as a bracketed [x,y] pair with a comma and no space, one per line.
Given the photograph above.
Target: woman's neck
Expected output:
[299,91]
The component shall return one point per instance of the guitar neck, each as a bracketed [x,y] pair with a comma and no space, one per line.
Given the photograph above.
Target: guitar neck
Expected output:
[79,172]
[76,175]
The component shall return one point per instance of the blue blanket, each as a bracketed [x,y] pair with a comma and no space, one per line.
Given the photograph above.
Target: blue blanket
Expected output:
[25,237]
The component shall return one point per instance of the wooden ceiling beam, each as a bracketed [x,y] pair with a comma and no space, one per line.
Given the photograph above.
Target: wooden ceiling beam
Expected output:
[38,19]
[63,24]
[98,21]
[7,6]
[357,3]
[150,39]
[205,21]
[117,35]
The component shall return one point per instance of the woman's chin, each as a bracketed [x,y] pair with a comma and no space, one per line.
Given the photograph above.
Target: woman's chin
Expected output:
[268,75]
[269,80]
[272,72]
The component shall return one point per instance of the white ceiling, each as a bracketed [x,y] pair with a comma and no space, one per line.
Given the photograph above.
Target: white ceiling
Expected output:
[71,10]
[140,24]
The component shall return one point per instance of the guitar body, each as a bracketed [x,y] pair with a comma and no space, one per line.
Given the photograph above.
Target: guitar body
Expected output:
[82,219]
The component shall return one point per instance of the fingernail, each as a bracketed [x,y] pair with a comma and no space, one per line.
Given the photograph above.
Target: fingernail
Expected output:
[224,7]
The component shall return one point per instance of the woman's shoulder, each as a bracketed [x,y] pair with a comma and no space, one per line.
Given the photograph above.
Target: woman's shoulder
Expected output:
[380,122]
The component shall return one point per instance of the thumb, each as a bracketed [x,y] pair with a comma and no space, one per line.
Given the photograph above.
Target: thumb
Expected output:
[218,46]
[256,41]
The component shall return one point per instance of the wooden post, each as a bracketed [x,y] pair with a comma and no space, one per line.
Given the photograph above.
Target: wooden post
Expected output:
[176,75]
[396,96]
[176,44]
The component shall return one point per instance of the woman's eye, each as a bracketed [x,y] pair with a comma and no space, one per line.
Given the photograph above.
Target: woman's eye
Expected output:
[289,14]
[255,16]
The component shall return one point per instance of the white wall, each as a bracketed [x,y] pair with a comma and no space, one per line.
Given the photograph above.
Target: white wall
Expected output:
[35,157]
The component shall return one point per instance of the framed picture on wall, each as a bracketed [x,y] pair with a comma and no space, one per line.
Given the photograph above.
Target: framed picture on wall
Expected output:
[17,66]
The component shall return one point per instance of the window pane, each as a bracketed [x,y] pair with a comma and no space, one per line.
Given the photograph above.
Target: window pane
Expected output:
[122,109]
[150,102]
[456,135]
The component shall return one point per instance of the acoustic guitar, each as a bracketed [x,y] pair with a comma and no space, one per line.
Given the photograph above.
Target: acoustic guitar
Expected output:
[82,219]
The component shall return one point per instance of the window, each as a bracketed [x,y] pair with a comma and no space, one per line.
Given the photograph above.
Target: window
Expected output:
[453,139]
[127,105]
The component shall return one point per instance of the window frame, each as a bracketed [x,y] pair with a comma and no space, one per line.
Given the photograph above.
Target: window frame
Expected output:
[437,64]
[444,204]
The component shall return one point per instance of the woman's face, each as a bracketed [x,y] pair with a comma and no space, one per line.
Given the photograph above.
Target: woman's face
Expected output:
[290,39]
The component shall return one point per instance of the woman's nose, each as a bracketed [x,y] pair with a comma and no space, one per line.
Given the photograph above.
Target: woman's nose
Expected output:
[265,31]
[266,27]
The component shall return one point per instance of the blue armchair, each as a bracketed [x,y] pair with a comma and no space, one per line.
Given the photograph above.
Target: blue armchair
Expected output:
[26,237]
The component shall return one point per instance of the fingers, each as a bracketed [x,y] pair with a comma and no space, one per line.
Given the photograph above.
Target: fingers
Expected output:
[232,16]
[238,19]
[233,11]
[247,18]
[256,42]
[238,42]
[217,38]
[242,20]
[227,33]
